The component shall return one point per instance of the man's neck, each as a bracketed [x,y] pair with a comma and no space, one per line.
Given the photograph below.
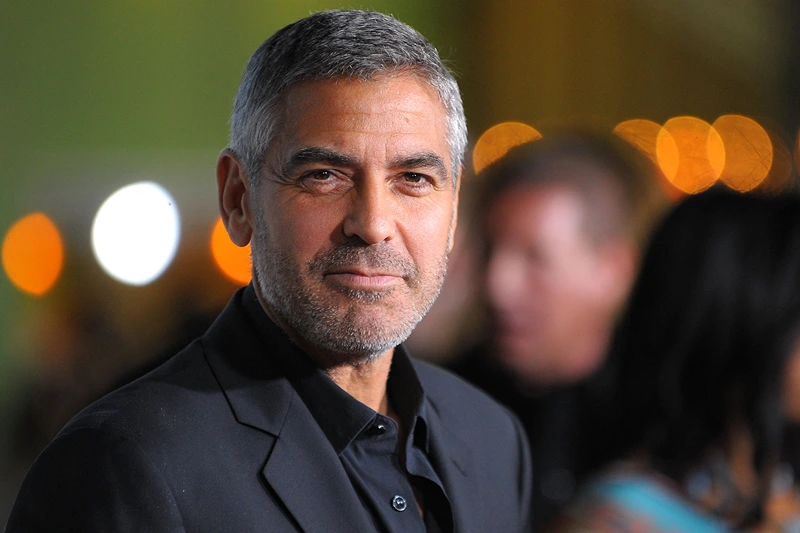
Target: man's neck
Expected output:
[363,380]
[366,382]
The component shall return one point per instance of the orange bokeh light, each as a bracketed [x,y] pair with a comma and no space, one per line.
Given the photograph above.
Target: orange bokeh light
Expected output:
[232,260]
[33,254]
[498,140]
[690,153]
[780,175]
[748,150]
[643,134]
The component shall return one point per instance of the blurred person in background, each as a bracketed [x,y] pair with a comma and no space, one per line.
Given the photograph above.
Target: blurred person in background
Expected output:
[562,218]
[705,367]
[299,409]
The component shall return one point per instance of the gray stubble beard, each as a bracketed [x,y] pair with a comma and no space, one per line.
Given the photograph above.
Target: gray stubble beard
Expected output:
[345,338]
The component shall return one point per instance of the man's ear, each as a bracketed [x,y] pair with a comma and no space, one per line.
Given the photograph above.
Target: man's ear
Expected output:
[456,191]
[233,191]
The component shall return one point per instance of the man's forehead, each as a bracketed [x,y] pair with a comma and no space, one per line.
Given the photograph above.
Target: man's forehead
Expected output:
[552,209]
[384,94]
[400,114]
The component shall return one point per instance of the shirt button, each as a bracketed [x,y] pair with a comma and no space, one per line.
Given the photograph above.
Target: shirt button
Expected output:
[376,430]
[399,503]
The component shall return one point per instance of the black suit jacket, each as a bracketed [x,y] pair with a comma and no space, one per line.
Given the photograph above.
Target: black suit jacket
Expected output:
[217,440]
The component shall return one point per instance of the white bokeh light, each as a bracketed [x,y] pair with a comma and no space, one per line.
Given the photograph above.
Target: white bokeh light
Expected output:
[135,233]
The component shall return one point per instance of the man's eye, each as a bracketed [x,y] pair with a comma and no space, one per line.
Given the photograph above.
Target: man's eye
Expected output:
[321,175]
[324,181]
[415,183]
[413,177]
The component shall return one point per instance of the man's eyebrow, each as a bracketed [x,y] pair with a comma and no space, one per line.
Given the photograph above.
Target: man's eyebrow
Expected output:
[422,160]
[316,154]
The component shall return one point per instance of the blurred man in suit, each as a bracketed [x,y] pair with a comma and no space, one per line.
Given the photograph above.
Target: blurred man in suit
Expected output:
[562,220]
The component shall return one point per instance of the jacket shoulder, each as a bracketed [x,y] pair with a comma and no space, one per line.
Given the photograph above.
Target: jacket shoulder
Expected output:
[166,396]
[102,482]
[459,400]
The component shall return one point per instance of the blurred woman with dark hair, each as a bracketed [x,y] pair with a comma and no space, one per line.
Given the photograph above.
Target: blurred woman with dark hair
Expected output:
[701,367]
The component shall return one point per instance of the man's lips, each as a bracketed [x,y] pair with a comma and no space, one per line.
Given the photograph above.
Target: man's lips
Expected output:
[514,326]
[364,279]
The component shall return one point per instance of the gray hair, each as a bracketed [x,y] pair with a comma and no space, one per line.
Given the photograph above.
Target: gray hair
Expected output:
[333,44]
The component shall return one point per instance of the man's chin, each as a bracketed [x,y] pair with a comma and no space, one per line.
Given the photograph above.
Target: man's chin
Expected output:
[513,349]
[354,350]
[517,358]
[334,359]
[351,296]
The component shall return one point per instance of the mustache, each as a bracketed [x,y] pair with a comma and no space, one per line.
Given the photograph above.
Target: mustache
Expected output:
[353,254]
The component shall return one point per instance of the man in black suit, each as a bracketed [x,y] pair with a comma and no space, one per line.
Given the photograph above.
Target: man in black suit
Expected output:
[299,409]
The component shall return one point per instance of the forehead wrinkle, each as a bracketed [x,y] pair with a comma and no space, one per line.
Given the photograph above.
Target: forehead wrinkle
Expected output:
[405,119]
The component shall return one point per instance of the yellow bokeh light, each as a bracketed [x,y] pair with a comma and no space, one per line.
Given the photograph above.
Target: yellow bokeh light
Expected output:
[748,150]
[498,140]
[232,260]
[33,254]
[643,134]
[690,153]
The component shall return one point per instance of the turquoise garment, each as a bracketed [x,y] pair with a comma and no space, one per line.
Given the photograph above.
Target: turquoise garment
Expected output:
[636,502]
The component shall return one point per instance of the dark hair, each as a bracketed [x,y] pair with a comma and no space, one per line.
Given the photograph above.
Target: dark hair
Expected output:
[709,328]
[616,183]
[336,44]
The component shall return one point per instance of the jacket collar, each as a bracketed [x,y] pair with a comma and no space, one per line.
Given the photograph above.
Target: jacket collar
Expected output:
[301,467]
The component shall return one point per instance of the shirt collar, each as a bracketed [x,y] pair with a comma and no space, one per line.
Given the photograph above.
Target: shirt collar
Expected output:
[408,397]
[340,416]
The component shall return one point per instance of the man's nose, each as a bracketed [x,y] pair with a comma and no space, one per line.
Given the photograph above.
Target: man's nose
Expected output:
[371,214]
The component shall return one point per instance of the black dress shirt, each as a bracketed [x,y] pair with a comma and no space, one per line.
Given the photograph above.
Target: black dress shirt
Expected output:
[389,475]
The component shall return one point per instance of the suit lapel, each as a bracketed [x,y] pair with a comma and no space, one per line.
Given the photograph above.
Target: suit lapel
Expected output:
[301,468]
[309,478]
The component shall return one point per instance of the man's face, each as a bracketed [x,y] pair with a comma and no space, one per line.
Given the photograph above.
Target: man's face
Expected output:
[354,214]
[545,285]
